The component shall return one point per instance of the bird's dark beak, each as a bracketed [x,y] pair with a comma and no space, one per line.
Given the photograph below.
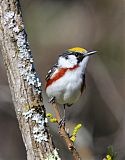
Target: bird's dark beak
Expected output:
[90,53]
[81,56]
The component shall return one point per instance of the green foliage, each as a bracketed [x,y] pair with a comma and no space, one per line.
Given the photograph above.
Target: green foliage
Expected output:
[51,119]
[110,154]
[75,131]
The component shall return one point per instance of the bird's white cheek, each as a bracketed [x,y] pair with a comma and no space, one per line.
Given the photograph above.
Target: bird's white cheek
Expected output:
[67,63]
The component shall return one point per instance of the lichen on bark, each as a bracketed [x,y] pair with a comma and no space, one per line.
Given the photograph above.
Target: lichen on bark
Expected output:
[26,88]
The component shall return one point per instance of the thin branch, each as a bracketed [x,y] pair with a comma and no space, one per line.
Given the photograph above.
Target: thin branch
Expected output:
[65,135]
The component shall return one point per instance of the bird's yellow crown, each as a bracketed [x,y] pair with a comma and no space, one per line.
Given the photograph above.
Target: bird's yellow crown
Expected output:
[77,49]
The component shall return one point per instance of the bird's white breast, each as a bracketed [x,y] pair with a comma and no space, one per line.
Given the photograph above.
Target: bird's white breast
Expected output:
[67,89]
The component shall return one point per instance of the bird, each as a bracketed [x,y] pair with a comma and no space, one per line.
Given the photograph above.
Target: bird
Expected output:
[65,81]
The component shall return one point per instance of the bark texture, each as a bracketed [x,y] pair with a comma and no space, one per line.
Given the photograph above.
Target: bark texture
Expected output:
[24,83]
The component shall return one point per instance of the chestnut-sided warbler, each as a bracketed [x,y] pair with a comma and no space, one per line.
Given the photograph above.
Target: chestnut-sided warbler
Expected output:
[66,79]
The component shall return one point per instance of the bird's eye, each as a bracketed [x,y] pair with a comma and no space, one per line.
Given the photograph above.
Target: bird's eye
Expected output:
[76,54]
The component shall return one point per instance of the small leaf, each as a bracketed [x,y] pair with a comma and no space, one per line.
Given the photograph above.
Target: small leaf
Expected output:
[73,138]
[53,120]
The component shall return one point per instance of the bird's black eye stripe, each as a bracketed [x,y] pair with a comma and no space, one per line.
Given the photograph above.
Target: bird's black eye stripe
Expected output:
[66,54]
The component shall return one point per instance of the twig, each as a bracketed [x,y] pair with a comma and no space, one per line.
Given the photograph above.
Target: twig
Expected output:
[64,134]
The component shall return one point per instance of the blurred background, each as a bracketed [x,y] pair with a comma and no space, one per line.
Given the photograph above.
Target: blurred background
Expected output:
[52,27]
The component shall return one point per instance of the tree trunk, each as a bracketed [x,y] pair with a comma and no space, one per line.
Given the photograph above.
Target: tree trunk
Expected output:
[24,84]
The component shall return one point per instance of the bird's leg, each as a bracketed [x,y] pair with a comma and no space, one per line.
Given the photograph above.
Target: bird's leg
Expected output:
[52,100]
[64,112]
[62,121]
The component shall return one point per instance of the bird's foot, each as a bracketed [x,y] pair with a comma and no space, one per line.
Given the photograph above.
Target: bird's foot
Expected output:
[52,100]
[62,123]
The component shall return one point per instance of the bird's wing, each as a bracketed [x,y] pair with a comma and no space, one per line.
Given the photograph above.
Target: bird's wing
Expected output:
[52,72]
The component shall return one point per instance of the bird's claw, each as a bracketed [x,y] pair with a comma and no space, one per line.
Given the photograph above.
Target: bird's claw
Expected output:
[62,123]
[52,100]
